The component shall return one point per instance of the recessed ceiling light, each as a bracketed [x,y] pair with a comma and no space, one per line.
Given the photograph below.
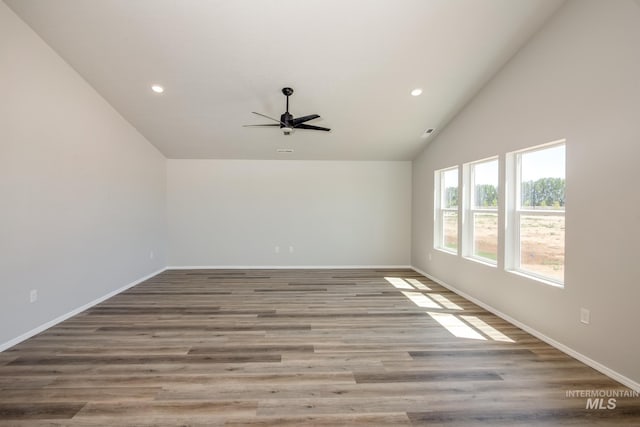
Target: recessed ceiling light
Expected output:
[416,92]
[157,88]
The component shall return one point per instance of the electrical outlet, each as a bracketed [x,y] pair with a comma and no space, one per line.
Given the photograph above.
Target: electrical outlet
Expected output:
[151,255]
[277,249]
[585,316]
[429,256]
[290,249]
[33,295]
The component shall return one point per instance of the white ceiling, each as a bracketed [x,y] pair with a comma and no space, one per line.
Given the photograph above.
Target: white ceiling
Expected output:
[354,62]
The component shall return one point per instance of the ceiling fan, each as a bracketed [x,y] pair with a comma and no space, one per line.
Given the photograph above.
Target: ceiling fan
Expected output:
[287,122]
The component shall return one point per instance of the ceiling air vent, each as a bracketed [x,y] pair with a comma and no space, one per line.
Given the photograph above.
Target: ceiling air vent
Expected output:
[427,133]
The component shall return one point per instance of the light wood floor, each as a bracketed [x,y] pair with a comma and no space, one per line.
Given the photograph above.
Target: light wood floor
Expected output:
[295,348]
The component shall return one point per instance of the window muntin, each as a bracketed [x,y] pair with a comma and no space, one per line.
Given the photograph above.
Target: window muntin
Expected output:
[481,222]
[538,217]
[447,197]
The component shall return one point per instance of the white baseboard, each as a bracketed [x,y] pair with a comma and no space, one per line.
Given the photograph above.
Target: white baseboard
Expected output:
[45,326]
[283,267]
[558,345]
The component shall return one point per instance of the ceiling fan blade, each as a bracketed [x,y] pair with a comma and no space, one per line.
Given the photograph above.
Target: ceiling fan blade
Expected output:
[270,124]
[270,118]
[311,127]
[303,119]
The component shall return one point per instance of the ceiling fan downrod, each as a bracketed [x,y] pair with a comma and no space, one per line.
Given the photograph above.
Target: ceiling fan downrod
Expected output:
[287,91]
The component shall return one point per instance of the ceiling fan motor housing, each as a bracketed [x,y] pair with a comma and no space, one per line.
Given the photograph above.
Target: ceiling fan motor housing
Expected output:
[286,120]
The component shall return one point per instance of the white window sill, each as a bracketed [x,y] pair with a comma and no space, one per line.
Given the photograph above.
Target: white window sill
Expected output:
[539,279]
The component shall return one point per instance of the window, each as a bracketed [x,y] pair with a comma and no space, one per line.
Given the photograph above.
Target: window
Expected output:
[446,218]
[537,212]
[481,211]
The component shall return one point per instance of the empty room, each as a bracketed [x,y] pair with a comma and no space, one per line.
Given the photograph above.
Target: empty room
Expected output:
[319,213]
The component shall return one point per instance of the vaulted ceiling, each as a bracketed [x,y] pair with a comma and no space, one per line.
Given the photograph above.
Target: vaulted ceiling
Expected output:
[354,62]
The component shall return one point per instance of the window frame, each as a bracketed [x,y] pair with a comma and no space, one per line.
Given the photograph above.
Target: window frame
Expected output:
[469,209]
[439,214]
[514,213]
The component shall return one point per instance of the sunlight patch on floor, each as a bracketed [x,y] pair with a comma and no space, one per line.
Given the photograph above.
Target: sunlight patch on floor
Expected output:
[456,326]
[398,283]
[461,326]
[488,330]
[445,302]
[418,284]
[421,300]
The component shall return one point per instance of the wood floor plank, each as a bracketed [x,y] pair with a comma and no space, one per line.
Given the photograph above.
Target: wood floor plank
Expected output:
[154,409]
[103,394]
[34,410]
[530,417]
[252,349]
[364,420]
[174,377]
[142,360]
[348,347]
[424,376]
[432,391]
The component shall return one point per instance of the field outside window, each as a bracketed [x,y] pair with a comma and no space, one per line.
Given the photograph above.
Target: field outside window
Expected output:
[446,224]
[481,224]
[539,215]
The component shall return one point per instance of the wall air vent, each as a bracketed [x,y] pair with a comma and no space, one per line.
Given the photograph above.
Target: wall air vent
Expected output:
[285,150]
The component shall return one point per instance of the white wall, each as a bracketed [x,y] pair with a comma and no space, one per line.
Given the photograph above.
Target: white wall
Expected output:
[579,79]
[234,212]
[82,193]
